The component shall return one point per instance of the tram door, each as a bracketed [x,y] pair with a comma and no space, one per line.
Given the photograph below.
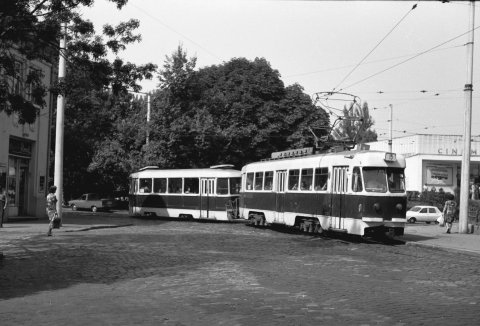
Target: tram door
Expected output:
[281,176]
[207,198]
[339,188]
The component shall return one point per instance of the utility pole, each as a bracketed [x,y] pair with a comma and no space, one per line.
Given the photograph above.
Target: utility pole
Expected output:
[58,173]
[148,118]
[465,182]
[391,121]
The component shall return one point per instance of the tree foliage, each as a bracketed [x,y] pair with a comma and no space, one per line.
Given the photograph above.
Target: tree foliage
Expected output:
[356,124]
[96,87]
[236,112]
[31,29]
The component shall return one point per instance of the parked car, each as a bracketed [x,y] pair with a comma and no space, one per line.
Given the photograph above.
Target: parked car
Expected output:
[91,201]
[425,214]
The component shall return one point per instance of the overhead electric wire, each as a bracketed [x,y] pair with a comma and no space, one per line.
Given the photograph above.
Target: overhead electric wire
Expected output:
[376,46]
[177,32]
[368,62]
[404,61]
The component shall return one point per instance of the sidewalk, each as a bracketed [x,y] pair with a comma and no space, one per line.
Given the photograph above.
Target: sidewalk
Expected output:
[434,236]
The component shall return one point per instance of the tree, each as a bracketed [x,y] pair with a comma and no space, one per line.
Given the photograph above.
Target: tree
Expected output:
[120,152]
[356,124]
[236,112]
[31,29]
[176,75]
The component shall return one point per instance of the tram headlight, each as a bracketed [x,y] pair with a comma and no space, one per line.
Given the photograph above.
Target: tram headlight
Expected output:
[399,207]
[376,206]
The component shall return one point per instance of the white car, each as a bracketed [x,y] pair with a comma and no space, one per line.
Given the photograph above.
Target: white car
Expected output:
[426,214]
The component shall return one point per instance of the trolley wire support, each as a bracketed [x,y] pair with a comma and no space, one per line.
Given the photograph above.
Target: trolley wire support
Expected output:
[335,103]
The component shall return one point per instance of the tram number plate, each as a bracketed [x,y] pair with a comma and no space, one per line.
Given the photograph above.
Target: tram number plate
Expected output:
[390,157]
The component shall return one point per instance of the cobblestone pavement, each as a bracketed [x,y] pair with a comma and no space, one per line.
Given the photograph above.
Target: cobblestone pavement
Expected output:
[189,273]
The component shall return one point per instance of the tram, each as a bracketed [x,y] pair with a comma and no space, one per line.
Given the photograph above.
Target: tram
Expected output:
[356,192]
[209,193]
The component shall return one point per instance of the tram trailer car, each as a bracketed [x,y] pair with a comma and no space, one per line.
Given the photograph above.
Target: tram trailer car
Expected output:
[209,193]
[355,192]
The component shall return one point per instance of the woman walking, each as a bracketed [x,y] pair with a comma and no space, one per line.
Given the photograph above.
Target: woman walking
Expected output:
[51,208]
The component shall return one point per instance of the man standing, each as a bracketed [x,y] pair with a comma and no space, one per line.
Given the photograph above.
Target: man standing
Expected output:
[449,212]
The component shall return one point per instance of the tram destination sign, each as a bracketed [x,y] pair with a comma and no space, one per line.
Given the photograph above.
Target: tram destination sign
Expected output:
[293,153]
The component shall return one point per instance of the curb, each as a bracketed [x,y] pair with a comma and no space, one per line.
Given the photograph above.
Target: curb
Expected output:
[453,250]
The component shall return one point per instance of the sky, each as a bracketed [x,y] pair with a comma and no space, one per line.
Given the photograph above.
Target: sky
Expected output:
[385,53]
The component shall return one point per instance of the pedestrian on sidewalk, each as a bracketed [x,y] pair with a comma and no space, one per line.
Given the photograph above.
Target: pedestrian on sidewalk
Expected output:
[449,209]
[51,208]
[3,203]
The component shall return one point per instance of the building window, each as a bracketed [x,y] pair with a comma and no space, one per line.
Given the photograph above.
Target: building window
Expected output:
[18,78]
[12,181]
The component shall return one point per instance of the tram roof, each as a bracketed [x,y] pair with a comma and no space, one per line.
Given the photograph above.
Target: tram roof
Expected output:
[155,172]
[357,158]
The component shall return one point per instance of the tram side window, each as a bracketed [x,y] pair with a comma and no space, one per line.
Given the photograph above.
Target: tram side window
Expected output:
[145,185]
[306,179]
[268,180]
[258,180]
[396,180]
[293,176]
[357,185]
[321,178]
[235,185]
[222,186]
[160,185]
[133,186]
[191,186]
[174,185]
[249,184]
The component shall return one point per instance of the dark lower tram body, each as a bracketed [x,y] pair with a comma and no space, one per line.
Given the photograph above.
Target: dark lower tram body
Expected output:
[184,206]
[315,212]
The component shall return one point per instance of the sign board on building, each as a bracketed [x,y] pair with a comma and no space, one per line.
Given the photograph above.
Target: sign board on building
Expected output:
[439,175]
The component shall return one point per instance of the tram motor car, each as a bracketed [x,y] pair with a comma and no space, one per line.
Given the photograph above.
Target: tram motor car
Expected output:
[358,192]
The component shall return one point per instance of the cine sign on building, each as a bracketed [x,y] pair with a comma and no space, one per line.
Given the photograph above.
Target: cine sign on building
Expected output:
[434,160]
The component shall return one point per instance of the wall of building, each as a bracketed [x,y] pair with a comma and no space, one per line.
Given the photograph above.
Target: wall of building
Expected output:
[24,155]
[434,160]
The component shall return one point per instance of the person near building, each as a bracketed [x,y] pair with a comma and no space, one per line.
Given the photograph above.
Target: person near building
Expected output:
[3,204]
[449,209]
[475,192]
[51,208]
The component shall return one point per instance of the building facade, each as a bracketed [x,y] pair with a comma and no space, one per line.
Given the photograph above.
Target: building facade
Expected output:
[434,161]
[24,150]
